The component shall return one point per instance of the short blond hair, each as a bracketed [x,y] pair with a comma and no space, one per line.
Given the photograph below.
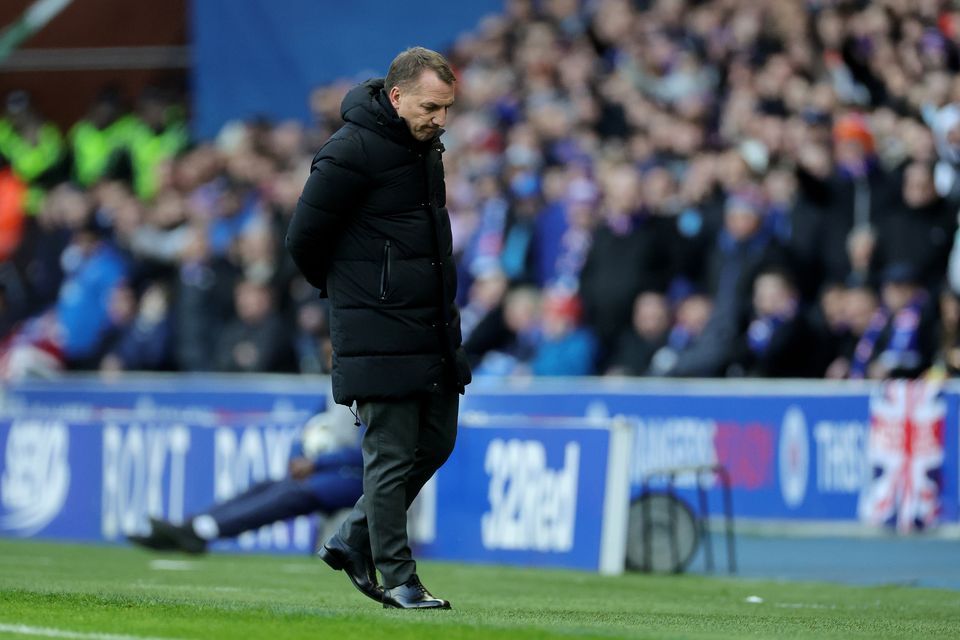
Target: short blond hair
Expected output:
[406,68]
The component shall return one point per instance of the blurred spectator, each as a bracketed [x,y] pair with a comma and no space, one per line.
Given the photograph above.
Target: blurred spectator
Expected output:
[777,343]
[899,341]
[33,147]
[628,254]
[862,254]
[848,194]
[860,306]
[96,141]
[506,341]
[486,244]
[312,340]
[32,277]
[146,342]
[154,136]
[948,333]
[647,334]
[917,228]
[830,328]
[743,248]
[32,351]
[204,301]
[945,125]
[680,356]
[257,340]
[565,348]
[92,266]
[121,312]
[485,295]
[12,202]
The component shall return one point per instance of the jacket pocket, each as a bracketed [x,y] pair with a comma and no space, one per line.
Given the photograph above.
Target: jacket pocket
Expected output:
[385,272]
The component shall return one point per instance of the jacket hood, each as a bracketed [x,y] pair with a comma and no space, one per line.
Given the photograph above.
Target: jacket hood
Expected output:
[368,106]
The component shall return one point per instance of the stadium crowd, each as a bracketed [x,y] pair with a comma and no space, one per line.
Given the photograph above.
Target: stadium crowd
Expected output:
[655,187]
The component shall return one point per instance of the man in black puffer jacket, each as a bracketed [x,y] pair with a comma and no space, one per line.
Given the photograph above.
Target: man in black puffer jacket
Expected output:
[371,232]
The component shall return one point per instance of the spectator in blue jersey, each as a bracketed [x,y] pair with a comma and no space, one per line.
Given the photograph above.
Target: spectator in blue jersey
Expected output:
[325,476]
[899,341]
[93,267]
[565,227]
[565,348]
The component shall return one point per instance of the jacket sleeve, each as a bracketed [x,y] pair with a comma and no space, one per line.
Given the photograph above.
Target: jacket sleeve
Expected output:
[329,197]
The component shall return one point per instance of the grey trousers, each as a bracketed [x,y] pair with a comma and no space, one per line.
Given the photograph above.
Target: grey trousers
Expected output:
[405,443]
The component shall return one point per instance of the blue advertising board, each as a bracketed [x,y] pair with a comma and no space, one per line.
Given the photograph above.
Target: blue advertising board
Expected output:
[100,480]
[88,459]
[794,451]
[547,495]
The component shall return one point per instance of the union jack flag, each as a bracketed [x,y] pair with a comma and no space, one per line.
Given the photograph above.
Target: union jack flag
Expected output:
[905,455]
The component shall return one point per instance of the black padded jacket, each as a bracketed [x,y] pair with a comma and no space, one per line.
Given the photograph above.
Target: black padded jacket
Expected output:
[371,232]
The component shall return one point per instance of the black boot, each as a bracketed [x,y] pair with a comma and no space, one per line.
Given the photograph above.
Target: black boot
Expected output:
[412,595]
[169,537]
[358,566]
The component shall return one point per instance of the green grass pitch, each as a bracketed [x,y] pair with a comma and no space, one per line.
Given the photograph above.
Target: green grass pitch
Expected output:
[117,593]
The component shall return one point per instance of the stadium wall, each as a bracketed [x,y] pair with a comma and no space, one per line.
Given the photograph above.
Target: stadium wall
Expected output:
[263,57]
[90,459]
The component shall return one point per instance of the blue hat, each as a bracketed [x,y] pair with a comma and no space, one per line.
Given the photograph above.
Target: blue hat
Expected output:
[900,273]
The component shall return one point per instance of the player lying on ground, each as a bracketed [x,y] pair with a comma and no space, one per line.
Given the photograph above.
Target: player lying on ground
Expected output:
[325,476]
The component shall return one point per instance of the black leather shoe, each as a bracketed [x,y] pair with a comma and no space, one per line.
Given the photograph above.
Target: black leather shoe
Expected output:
[169,537]
[358,566]
[412,595]
[152,541]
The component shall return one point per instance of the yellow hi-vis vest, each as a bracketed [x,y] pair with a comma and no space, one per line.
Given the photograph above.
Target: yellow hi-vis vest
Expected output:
[93,148]
[29,160]
[148,150]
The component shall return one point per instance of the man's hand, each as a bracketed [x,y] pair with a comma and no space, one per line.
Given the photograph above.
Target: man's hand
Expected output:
[300,468]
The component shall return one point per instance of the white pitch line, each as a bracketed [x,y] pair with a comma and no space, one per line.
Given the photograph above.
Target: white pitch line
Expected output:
[46,632]
[172,565]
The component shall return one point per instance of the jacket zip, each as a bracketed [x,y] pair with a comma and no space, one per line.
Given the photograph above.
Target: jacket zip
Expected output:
[385,272]
[449,356]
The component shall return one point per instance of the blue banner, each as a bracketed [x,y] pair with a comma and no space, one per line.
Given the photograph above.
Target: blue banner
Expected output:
[100,481]
[522,495]
[87,459]
[795,451]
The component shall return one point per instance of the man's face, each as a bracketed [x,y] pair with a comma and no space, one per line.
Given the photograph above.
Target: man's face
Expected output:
[897,295]
[918,190]
[423,105]
[651,315]
[772,296]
